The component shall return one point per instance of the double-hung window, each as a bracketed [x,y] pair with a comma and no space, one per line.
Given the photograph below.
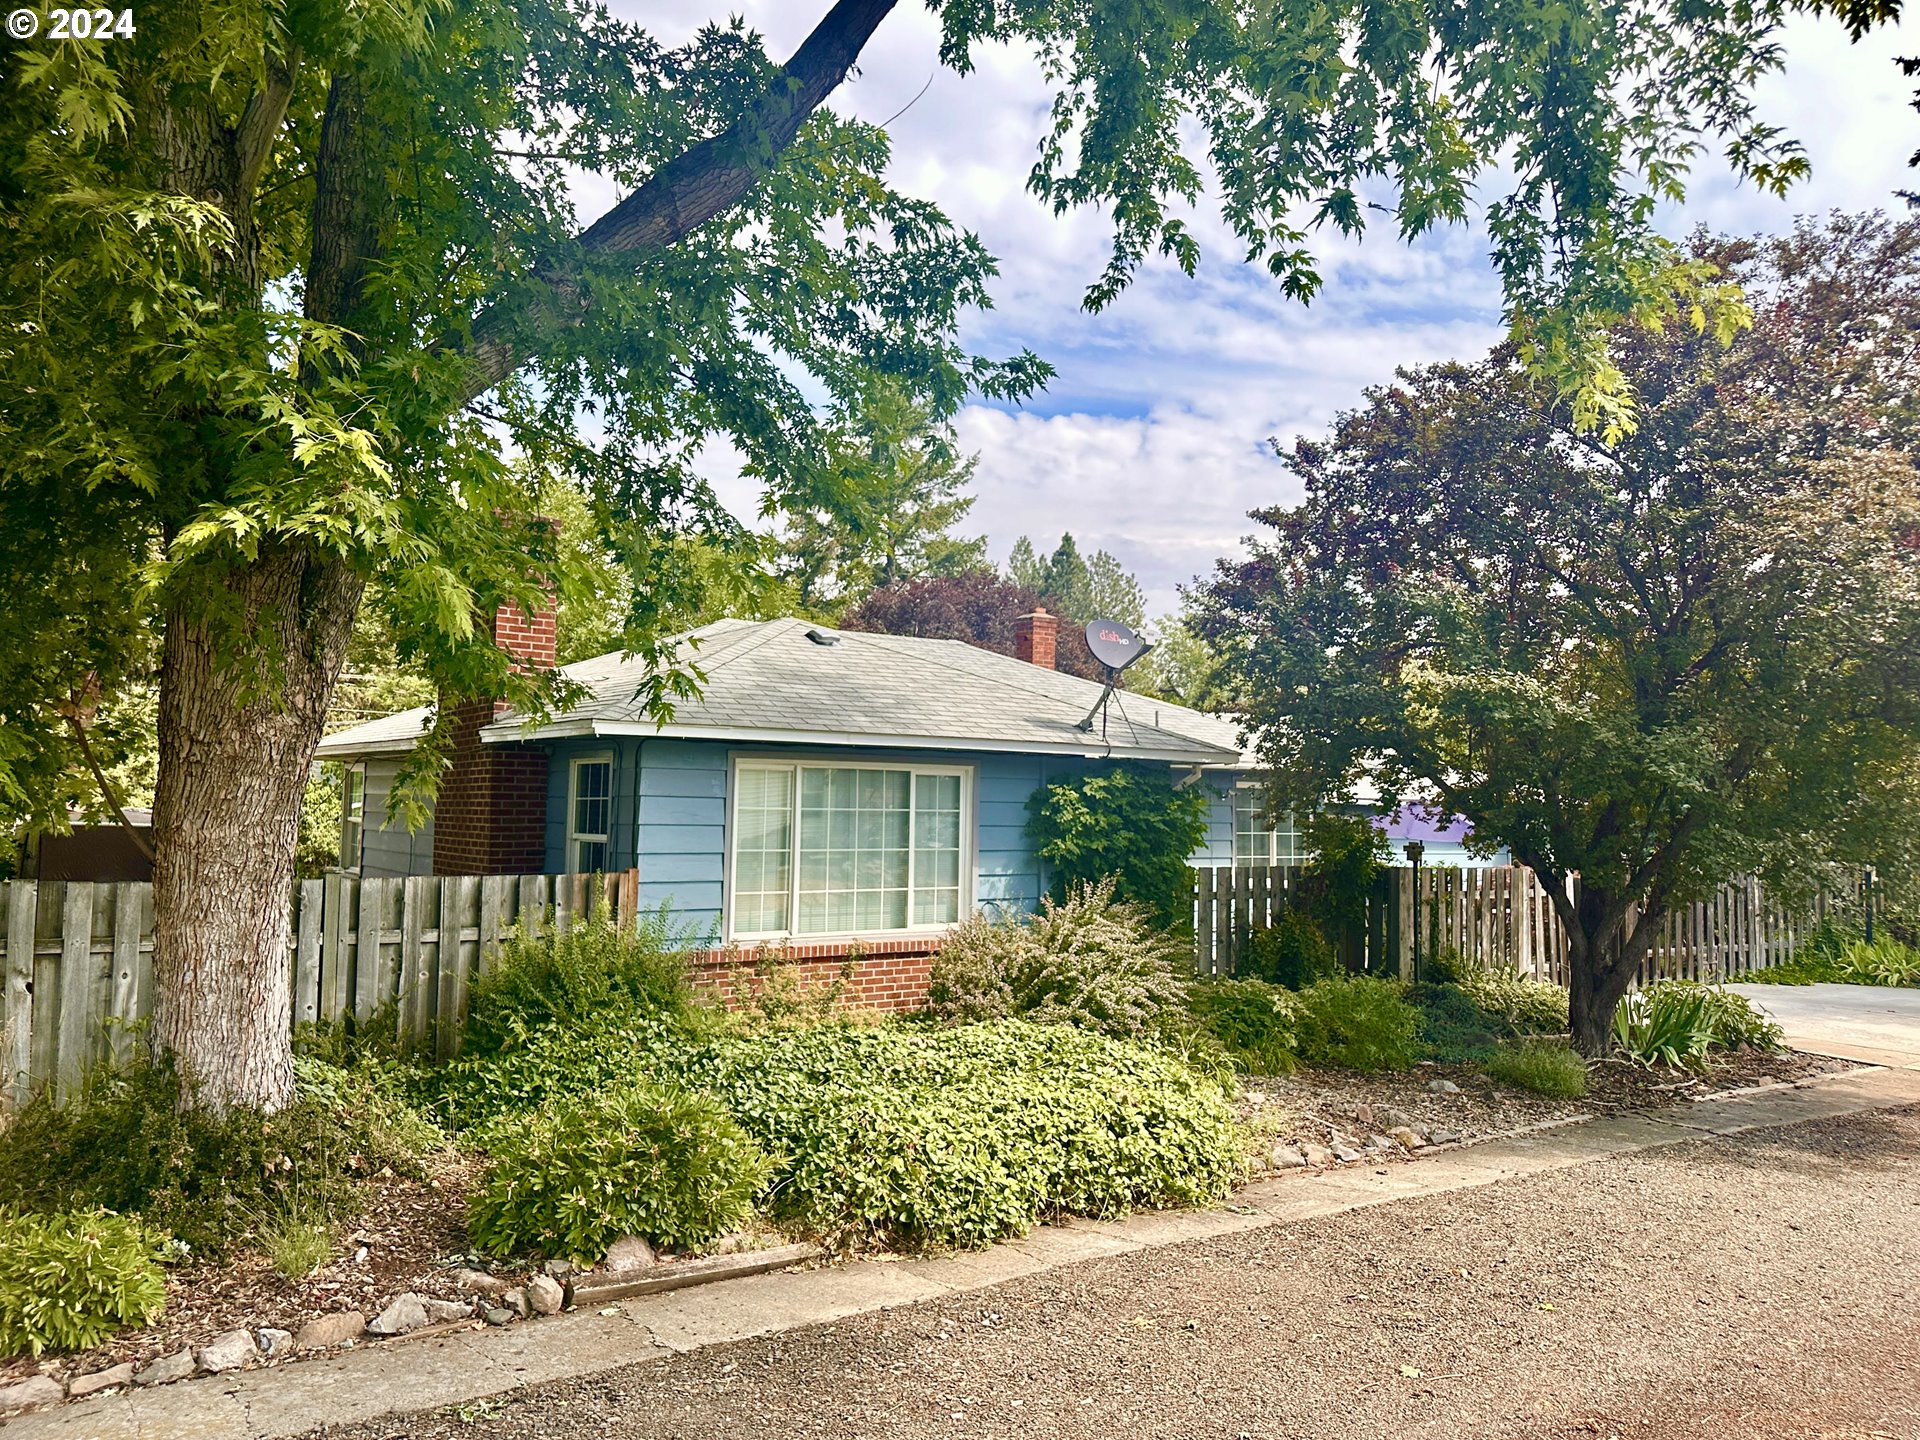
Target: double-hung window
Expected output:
[847,849]
[353,814]
[1260,838]
[590,815]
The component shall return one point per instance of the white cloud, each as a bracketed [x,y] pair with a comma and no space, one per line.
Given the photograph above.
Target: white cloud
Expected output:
[1151,443]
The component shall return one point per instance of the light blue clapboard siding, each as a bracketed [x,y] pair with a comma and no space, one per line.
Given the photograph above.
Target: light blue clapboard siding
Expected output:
[1217,848]
[559,781]
[386,847]
[680,833]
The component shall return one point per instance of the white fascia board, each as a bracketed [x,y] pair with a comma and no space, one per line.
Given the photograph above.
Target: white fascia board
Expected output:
[401,746]
[1199,753]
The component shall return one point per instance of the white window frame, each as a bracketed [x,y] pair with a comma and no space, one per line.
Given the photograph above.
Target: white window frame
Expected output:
[576,837]
[969,884]
[348,819]
[1272,832]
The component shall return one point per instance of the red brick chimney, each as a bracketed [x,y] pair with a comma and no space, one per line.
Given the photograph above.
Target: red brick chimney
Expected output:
[1034,636]
[491,817]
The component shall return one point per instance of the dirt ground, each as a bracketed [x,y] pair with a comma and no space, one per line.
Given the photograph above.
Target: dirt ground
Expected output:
[1758,1287]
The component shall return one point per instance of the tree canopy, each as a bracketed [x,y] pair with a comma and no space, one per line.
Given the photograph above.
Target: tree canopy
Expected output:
[1652,662]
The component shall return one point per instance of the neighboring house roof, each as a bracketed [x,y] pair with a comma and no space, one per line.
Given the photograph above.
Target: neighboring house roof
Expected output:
[766,680]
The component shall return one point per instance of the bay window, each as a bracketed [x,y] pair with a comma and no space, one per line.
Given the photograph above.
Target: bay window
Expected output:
[846,849]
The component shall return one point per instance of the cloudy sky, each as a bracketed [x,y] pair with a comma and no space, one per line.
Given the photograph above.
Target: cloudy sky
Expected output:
[1152,441]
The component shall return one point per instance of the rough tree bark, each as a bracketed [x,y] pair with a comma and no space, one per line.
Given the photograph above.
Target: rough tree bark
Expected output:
[251,655]
[1607,938]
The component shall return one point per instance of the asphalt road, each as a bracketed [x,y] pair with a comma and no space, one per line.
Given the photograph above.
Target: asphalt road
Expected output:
[1764,1285]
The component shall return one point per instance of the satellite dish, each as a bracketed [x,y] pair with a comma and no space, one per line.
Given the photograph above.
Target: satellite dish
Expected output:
[1114,645]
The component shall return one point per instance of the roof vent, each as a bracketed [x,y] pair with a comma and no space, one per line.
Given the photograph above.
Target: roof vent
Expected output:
[823,637]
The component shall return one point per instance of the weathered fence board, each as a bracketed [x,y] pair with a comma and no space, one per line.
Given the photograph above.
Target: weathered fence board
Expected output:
[76,958]
[1498,916]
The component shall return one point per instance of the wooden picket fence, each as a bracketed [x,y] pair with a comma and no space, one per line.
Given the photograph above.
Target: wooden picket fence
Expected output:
[78,958]
[1499,917]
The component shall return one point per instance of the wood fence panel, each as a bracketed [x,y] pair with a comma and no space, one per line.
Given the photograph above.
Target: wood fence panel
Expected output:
[131,968]
[22,909]
[309,908]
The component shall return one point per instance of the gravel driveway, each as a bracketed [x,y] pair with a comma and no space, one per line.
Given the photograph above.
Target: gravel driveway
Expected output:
[1759,1286]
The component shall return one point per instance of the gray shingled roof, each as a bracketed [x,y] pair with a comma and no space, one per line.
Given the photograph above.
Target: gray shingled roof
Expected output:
[766,680]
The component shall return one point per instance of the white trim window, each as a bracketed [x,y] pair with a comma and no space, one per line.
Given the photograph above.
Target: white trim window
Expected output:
[847,849]
[1259,839]
[353,813]
[590,814]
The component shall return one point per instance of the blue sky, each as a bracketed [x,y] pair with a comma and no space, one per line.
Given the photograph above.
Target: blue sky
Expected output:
[1151,442]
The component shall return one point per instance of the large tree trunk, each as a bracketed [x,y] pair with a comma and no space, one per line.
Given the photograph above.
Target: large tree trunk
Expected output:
[1607,941]
[243,700]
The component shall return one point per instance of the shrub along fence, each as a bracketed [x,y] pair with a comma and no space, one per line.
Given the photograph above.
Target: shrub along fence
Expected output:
[1499,917]
[76,957]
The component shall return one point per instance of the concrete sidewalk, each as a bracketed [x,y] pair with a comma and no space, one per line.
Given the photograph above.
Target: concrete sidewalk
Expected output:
[410,1375]
[1873,1024]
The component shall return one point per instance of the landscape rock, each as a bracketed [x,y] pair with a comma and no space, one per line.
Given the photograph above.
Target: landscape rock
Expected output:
[1345,1155]
[545,1295]
[404,1313]
[327,1330]
[1407,1137]
[165,1370]
[629,1254]
[113,1377]
[1443,1087]
[440,1312]
[1442,1137]
[1285,1157]
[496,1314]
[275,1343]
[516,1301]
[1317,1154]
[1380,1142]
[1392,1119]
[228,1352]
[31,1394]
[559,1269]
[1364,1114]
[480,1282]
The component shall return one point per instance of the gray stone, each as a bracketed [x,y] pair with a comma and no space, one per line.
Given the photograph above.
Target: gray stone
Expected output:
[228,1352]
[165,1370]
[112,1378]
[404,1314]
[1285,1157]
[559,1269]
[325,1331]
[31,1394]
[275,1343]
[1406,1137]
[1392,1119]
[516,1301]
[1380,1142]
[480,1282]
[442,1312]
[1346,1156]
[496,1314]
[630,1254]
[545,1295]
[1442,1137]
[1443,1087]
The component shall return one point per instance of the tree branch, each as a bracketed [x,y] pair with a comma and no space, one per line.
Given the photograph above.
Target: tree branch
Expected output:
[688,190]
[106,790]
[260,123]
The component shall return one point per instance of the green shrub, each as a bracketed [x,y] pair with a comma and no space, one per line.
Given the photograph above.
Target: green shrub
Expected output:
[1528,1005]
[1731,1021]
[1091,961]
[1452,1026]
[125,1144]
[1345,857]
[1293,951]
[70,1280]
[1357,1023]
[577,1174]
[1546,1067]
[295,1245]
[918,1135]
[1125,821]
[1254,1023]
[595,970]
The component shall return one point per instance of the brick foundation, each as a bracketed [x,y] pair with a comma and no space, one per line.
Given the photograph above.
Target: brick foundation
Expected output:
[888,975]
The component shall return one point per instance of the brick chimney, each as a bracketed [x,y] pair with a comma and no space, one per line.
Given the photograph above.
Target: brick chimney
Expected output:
[491,817]
[1034,636]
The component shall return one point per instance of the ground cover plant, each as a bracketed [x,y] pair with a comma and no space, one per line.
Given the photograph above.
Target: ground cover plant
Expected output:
[1678,1023]
[912,1134]
[1546,1067]
[1838,954]
[1254,1023]
[69,1280]
[1091,960]
[576,1174]
[1358,1023]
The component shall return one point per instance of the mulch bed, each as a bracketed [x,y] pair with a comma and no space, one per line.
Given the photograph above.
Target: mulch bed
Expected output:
[413,1232]
[1323,1107]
